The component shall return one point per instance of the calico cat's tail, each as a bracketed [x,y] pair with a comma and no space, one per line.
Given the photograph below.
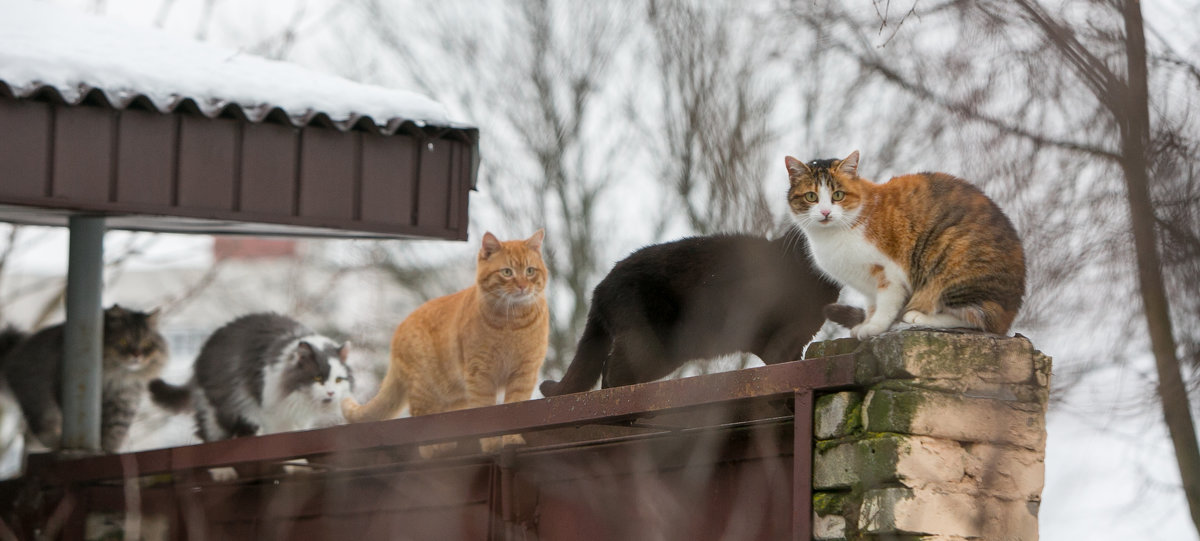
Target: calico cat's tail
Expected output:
[175,398]
[844,315]
[585,368]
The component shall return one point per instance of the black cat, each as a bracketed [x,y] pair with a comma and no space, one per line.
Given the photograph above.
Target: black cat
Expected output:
[698,298]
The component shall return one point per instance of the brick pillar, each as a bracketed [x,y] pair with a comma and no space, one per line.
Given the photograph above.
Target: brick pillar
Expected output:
[943,438]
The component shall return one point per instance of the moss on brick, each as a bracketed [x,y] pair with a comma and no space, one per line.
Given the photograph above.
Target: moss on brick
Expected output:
[829,503]
[891,411]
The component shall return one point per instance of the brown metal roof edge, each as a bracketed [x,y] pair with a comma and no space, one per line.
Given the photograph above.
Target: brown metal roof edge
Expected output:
[265,113]
[604,405]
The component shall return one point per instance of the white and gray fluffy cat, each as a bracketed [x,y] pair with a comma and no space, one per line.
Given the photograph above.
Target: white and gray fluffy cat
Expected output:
[261,374]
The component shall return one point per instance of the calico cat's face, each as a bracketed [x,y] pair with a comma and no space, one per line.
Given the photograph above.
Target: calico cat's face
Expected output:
[824,194]
[318,370]
[512,270]
[132,342]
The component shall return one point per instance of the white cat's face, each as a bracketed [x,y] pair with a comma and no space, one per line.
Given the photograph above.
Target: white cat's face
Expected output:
[328,391]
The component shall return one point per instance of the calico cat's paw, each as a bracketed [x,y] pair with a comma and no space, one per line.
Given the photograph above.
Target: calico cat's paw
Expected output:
[869,329]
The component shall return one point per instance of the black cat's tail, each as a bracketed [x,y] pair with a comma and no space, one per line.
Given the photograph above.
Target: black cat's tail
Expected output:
[175,398]
[590,356]
[844,315]
[9,338]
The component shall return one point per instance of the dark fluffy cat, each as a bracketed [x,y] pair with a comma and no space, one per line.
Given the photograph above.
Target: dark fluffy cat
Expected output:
[697,298]
[261,374]
[134,353]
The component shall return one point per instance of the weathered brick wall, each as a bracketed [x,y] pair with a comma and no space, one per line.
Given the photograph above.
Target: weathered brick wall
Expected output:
[943,438]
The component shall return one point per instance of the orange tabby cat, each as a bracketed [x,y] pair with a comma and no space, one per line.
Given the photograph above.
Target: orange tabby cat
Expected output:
[460,350]
[929,249]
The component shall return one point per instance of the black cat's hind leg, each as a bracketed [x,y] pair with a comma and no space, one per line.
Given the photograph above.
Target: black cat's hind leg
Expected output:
[590,357]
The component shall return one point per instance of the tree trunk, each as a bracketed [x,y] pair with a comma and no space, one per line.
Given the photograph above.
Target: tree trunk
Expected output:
[1135,127]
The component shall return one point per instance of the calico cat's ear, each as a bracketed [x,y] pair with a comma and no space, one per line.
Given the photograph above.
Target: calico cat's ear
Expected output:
[491,245]
[535,242]
[796,167]
[849,165]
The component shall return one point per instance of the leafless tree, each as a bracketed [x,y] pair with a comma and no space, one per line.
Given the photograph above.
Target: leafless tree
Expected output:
[1081,156]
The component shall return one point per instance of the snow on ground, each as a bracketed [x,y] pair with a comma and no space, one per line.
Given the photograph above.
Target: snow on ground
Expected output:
[50,45]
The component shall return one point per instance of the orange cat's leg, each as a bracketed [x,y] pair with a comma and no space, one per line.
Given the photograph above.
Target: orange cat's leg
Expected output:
[518,388]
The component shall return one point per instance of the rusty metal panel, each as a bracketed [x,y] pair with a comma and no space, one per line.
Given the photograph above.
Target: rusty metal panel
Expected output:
[145,158]
[83,154]
[207,155]
[433,191]
[25,135]
[269,162]
[327,175]
[389,166]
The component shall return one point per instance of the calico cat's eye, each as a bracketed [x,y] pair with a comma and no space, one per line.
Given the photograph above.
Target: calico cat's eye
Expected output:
[839,195]
[811,197]
[506,272]
[530,271]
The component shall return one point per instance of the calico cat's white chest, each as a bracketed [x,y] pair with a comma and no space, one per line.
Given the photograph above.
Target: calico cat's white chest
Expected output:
[850,258]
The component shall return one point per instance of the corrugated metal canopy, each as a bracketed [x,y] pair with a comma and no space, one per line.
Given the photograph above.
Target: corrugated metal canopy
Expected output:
[160,159]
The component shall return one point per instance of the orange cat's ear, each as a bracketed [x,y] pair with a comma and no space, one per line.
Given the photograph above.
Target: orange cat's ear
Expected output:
[849,165]
[491,245]
[535,242]
[796,167]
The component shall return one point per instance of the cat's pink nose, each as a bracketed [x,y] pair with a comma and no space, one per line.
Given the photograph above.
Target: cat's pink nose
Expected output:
[330,393]
[825,212]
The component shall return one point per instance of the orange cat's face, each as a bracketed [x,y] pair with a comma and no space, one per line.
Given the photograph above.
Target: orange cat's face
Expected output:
[512,270]
[825,194]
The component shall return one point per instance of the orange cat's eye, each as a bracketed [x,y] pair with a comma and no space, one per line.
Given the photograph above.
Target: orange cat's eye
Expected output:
[839,195]
[811,197]
[529,271]
[506,272]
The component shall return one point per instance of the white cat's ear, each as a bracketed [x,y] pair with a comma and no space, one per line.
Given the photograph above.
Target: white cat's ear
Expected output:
[344,352]
[850,164]
[304,351]
[535,242]
[491,245]
[796,167]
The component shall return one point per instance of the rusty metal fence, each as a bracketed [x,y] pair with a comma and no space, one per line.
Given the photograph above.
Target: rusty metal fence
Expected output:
[723,456]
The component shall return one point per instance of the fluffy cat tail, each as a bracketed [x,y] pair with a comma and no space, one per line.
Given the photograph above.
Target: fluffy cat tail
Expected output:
[386,403]
[585,368]
[844,315]
[175,398]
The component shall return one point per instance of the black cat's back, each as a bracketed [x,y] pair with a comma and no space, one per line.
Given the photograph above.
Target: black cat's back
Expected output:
[696,298]
[231,361]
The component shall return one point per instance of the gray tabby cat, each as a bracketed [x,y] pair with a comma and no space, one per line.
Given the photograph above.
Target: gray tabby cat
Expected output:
[261,374]
[134,353]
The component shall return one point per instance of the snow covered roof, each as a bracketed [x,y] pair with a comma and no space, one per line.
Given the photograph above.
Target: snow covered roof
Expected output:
[157,133]
[47,49]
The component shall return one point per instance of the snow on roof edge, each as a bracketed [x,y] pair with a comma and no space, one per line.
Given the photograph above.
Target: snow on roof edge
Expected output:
[77,58]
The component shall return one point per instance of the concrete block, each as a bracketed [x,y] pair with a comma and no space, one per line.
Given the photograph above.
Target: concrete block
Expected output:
[898,511]
[837,415]
[877,459]
[955,417]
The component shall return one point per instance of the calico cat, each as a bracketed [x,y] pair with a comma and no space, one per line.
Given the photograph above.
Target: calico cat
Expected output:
[928,249]
[460,350]
[134,353]
[261,374]
[697,298]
